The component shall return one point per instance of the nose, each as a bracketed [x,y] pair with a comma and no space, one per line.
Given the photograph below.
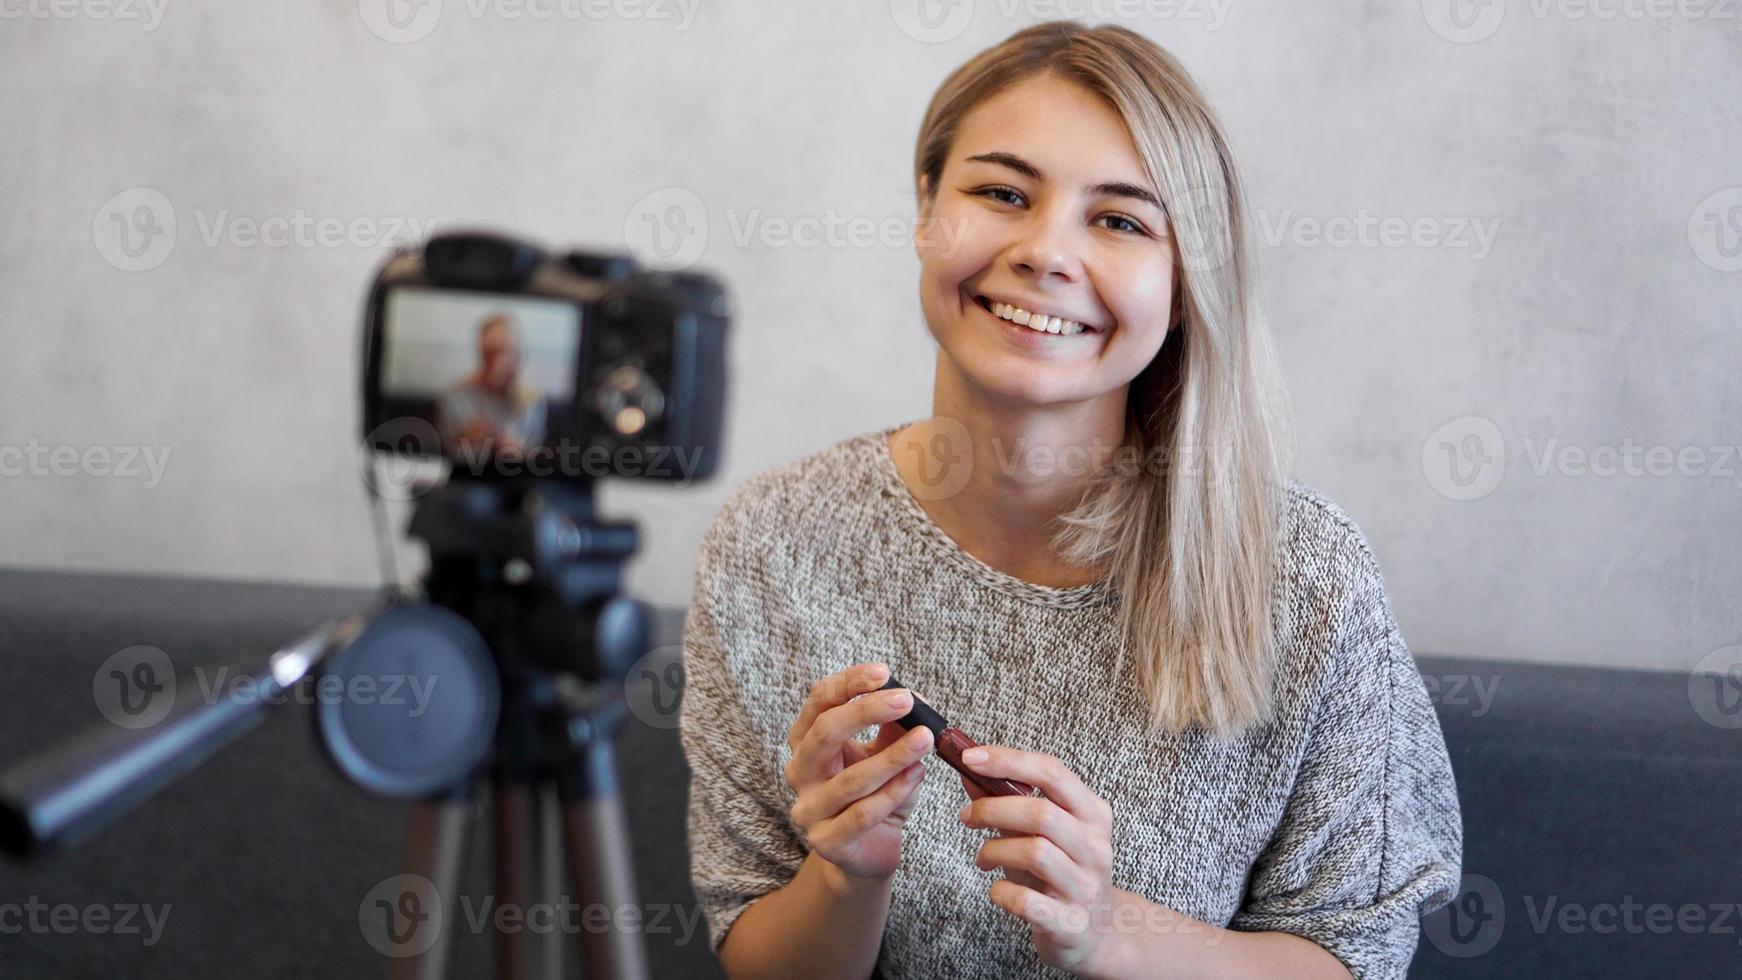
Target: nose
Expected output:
[1046,249]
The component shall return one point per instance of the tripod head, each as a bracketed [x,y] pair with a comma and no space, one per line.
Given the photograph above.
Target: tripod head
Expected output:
[524,604]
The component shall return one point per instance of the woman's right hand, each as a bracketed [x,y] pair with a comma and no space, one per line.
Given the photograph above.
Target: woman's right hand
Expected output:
[853,796]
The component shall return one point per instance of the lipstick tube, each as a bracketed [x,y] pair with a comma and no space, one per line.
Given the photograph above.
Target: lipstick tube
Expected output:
[950,742]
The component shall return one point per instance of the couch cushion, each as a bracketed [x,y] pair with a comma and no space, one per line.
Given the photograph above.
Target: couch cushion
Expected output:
[1587,792]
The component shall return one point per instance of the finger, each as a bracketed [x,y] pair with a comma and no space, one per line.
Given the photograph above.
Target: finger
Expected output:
[888,734]
[1057,781]
[1040,859]
[1035,816]
[1061,921]
[856,749]
[835,727]
[837,688]
[855,820]
[863,778]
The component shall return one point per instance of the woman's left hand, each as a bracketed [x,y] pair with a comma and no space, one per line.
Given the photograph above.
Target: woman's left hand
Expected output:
[1056,852]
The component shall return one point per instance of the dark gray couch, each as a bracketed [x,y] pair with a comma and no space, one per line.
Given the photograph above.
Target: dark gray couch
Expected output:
[1583,788]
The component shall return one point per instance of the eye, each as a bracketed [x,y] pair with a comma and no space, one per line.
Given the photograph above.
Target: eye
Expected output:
[1000,193]
[1122,223]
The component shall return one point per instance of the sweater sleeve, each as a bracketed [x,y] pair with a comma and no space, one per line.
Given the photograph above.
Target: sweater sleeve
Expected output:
[1372,836]
[742,845]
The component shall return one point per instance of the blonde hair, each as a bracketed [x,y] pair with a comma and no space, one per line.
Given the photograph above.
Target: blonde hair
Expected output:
[1191,551]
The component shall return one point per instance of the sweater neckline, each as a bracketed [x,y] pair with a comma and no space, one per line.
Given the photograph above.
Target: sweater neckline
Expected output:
[915,516]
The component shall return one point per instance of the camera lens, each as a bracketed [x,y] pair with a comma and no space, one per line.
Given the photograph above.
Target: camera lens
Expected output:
[629,400]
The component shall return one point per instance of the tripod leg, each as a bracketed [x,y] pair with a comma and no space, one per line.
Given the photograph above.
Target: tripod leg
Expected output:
[512,813]
[599,853]
[435,850]
[529,879]
[553,877]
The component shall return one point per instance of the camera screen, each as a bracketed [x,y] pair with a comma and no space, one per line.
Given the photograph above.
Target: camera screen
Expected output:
[490,372]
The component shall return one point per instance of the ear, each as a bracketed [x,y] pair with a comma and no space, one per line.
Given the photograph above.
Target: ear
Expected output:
[922,227]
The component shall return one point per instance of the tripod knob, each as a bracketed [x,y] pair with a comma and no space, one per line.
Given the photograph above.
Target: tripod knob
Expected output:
[621,634]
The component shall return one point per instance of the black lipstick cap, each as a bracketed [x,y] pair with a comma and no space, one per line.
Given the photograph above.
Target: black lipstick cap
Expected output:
[921,714]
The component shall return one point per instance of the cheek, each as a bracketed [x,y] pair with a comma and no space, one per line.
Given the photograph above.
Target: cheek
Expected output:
[1140,297]
[958,248]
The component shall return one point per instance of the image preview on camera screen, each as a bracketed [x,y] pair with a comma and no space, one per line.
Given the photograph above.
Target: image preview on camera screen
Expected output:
[491,372]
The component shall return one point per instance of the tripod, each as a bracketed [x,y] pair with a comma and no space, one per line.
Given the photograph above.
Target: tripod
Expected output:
[526,640]
[539,578]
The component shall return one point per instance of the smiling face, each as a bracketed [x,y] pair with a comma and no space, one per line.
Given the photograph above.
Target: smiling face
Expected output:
[1043,212]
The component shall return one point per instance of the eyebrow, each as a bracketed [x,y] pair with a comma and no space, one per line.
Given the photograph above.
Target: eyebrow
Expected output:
[1111,188]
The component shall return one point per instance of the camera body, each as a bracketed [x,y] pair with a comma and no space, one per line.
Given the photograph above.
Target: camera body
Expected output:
[511,362]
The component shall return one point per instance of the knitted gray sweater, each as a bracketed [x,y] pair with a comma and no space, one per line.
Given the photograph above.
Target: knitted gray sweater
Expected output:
[1337,821]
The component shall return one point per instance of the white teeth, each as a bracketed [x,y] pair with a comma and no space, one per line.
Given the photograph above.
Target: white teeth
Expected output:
[1037,321]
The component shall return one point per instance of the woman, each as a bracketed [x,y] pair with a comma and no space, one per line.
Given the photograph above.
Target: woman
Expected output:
[1091,559]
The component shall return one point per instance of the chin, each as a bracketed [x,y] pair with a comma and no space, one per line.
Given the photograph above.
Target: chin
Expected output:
[1025,384]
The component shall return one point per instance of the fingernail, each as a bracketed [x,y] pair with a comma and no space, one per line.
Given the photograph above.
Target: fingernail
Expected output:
[879,671]
[963,815]
[974,756]
[896,699]
[919,736]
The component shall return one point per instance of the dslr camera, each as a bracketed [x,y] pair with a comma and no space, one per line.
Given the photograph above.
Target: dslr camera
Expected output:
[509,362]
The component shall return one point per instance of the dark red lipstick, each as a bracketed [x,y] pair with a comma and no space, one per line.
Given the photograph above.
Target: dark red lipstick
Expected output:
[950,742]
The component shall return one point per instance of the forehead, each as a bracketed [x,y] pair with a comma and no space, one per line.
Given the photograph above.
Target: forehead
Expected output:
[1058,125]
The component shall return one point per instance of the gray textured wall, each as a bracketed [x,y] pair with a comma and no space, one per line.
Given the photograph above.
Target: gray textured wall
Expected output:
[1500,243]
